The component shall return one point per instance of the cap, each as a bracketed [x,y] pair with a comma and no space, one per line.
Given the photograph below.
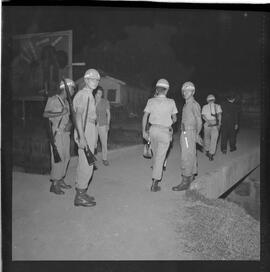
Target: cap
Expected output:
[92,73]
[163,83]
[188,86]
[69,82]
[210,97]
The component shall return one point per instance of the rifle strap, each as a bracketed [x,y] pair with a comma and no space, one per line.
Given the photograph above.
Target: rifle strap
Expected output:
[86,115]
[61,101]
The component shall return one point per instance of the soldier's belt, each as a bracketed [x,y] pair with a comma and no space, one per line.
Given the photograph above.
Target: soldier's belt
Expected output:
[189,128]
[92,121]
[161,126]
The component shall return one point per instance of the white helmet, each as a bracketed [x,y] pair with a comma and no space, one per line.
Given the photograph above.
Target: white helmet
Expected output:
[69,82]
[210,97]
[163,83]
[188,86]
[92,73]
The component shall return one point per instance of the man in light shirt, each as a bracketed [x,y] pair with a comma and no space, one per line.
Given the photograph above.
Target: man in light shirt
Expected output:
[85,109]
[211,114]
[161,112]
[191,125]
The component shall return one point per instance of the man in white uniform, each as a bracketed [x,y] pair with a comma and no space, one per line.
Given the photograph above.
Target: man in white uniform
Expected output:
[211,114]
[162,114]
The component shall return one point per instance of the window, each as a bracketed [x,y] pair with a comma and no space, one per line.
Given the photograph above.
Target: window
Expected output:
[111,96]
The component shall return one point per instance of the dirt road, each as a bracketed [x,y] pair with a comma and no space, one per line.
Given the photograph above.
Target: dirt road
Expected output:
[128,223]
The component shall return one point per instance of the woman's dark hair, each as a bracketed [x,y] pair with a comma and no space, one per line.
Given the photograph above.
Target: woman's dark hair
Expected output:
[98,88]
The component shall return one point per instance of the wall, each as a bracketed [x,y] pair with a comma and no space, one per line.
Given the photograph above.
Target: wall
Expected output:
[247,194]
[216,183]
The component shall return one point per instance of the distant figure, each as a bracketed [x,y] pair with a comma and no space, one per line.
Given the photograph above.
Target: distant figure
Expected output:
[57,110]
[211,114]
[103,122]
[85,108]
[191,125]
[161,112]
[230,123]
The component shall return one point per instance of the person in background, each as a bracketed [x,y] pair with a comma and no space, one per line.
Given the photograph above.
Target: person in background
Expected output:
[230,123]
[191,125]
[211,114]
[85,115]
[103,122]
[57,110]
[161,112]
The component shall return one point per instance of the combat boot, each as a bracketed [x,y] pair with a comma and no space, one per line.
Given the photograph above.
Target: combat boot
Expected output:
[184,185]
[56,188]
[63,185]
[83,199]
[155,187]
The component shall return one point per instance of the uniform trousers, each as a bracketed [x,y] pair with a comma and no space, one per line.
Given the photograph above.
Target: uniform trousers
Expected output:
[160,141]
[62,142]
[210,138]
[84,170]
[102,132]
[228,133]
[188,153]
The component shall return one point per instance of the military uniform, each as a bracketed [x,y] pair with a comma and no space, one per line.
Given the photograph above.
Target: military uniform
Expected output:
[84,170]
[211,129]
[190,127]
[160,109]
[60,125]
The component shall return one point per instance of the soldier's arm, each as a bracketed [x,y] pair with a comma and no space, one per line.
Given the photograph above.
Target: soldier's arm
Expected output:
[174,112]
[197,113]
[51,114]
[204,115]
[79,122]
[144,121]
[49,110]
[108,114]
[174,118]
[204,118]
[219,115]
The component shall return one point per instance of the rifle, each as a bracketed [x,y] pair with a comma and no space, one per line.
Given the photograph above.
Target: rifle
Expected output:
[89,155]
[56,155]
[51,135]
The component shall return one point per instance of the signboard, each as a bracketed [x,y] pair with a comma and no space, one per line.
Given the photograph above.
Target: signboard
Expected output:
[39,62]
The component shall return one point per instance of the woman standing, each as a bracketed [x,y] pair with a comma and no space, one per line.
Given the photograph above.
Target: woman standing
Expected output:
[103,122]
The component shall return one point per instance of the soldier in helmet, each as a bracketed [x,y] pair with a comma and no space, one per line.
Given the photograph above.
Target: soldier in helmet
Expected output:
[84,106]
[57,110]
[191,125]
[211,114]
[161,112]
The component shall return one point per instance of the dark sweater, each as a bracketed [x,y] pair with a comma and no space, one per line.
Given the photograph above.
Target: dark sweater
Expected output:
[230,113]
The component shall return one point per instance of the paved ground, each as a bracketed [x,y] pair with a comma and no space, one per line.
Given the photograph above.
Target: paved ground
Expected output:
[128,223]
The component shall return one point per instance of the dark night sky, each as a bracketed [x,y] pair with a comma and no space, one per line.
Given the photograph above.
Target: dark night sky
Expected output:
[216,49]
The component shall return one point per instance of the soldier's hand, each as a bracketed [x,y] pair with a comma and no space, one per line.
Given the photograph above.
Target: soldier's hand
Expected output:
[82,143]
[236,127]
[108,127]
[145,135]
